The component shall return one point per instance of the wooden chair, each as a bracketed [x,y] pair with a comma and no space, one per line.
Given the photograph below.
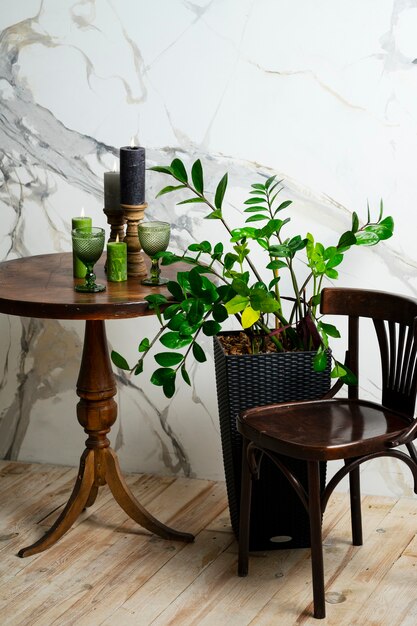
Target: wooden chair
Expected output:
[350,429]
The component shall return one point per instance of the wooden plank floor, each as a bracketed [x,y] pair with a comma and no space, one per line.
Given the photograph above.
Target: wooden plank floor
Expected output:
[108,571]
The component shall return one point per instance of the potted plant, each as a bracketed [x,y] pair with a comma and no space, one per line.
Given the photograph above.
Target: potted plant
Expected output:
[282,351]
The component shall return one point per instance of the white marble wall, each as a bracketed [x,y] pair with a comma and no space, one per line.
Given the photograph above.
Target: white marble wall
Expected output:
[322,93]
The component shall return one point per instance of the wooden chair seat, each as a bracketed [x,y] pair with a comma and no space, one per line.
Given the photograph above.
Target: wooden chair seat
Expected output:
[323,430]
[351,429]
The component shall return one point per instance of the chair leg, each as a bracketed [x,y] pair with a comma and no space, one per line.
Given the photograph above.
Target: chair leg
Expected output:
[314,505]
[244,522]
[355,507]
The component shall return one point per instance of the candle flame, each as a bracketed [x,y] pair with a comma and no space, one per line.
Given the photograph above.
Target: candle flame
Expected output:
[82,214]
[132,142]
[115,166]
[117,238]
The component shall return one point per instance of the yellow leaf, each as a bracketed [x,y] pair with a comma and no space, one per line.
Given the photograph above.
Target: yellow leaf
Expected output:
[250,316]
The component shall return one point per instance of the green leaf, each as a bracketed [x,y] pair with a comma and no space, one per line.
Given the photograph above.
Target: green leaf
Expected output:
[346,240]
[119,361]
[220,191]
[334,261]
[163,169]
[276,265]
[282,206]
[249,317]
[381,231]
[164,377]
[256,218]
[330,273]
[191,201]
[248,232]
[381,210]
[240,287]
[196,312]
[280,250]
[254,200]
[236,304]
[254,209]
[167,258]
[174,340]
[171,310]
[169,189]
[270,180]
[167,359]
[155,300]
[168,387]
[366,238]
[355,222]
[196,282]
[387,222]
[261,300]
[274,282]
[338,371]
[329,329]
[320,361]
[197,176]
[349,378]
[199,353]
[185,375]
[144,345]
[258,186]
[229,260]
[211,328]
[175,289]
[188,329]
[176,322]
[139,368]
[219,313]
[179,171]
[214,215]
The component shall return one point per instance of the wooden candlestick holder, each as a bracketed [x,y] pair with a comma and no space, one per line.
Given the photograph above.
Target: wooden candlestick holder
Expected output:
[117,221]
[133,215]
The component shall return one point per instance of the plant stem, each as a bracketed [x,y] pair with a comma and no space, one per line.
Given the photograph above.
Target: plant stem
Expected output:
[213,208]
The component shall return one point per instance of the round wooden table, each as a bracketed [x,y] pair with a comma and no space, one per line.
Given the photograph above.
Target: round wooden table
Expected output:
[43,286]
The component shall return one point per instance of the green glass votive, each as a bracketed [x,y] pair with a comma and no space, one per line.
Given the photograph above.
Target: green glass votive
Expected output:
[88,244]
[116,261]
[79,269]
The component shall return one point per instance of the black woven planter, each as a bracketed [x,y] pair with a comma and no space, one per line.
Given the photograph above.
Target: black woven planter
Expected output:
[246,381]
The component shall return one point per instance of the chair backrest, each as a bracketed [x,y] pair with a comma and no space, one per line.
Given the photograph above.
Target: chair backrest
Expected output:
[394,319]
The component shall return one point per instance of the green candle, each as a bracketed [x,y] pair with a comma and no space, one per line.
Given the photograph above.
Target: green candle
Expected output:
[116,261]
[79,269]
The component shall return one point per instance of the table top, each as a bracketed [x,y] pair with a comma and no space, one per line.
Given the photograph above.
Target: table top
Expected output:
[43,286]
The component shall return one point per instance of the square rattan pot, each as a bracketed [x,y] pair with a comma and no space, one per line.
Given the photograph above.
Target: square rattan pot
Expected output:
[278,519]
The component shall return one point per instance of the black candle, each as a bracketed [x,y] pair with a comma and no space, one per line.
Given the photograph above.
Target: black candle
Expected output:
[132,175]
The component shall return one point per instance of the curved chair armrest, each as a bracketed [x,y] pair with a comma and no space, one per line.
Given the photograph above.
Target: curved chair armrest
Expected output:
[406,437]
[333,390]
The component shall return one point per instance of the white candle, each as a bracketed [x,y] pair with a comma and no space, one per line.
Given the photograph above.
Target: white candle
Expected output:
[112,190]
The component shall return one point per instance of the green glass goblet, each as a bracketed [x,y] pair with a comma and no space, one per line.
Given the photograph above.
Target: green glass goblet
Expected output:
[88,244]
[154,238]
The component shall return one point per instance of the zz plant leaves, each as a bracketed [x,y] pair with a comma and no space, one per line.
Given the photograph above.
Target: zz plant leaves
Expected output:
[225,280]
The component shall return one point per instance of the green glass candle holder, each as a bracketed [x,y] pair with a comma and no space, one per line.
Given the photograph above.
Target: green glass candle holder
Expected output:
[154,238]
[88,245]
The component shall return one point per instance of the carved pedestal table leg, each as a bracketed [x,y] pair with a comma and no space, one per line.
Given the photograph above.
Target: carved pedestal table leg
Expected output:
[97,412]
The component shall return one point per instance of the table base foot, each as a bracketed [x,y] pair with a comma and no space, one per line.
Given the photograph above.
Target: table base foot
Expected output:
[133,508]
[90,478]
[77,502]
